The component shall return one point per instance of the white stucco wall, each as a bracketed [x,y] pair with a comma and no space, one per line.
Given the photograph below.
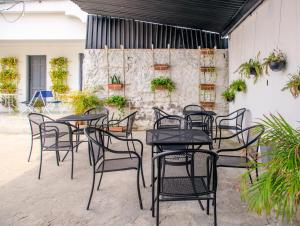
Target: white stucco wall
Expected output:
[263,31]
[21,49]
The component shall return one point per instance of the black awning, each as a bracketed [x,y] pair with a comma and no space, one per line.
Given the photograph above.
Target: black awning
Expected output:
[212,15]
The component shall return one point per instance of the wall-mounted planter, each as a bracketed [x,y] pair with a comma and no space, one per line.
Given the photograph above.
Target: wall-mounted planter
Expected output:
[207,86]
[160,88]
[207,104]
[207,69]
[295,91]
[117,129]
[207,51]
[161,67]
[115,86]
[277,65]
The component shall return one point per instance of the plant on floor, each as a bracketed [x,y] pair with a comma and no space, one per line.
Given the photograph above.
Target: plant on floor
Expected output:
[278,186]
[293,84]
[59,75]
[38,104]
[238,85]
[276,61]
[229,95]
[251,67]
[118,101]
[82,101]
[162,82]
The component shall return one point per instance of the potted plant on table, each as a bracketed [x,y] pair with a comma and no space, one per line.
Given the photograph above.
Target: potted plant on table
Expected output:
[277,188]
[238,85]
[293,84]
[115,83]
[276,61]
[251,67]
[162,83]
[229,95]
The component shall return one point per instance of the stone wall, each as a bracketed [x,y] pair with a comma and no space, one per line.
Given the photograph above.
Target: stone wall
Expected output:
[135,66]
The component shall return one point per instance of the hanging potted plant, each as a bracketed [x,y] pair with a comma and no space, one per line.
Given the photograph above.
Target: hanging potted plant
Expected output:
[161,67]
[293,84]
[238,85]
[208,69]
[229,95]
[162,83]
[276,61]
[115,83]
[207,51]
[251,67]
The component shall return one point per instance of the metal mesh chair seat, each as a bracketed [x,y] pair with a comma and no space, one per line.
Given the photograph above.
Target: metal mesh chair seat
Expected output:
[233,161]
[61,145]
[228,127]
[187,186]
[118,164]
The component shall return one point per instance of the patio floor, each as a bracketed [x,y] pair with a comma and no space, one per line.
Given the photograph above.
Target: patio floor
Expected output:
[58,200]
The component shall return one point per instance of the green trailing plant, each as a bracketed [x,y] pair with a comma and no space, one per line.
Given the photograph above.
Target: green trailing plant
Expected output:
[277,188]
[8,74]
[238,85]
[82,101]
[10,62]
[8,87]
[118,101]
[115,79]
[276,61]
[59,75]
[251,67]
[162,82]
[229,95]
[293,84]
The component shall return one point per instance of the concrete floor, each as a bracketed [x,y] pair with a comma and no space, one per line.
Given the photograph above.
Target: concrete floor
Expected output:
[58,200]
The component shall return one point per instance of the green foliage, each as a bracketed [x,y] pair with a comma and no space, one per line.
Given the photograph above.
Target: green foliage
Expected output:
[115,79]
[278,186]
[8,87]
[116,100]
[164,82]
[238,85]
[294,82]
[229,95]
[10,62]
[39,104]
[82,101]
[276,56]
[8,74]
[253,66]
[9,102]
[59,74]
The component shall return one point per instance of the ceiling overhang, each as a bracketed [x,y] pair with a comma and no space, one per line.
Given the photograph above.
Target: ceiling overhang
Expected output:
[211,15]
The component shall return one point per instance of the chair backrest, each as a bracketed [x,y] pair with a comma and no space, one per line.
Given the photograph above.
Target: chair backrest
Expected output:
[200,179]
[46,94]
[130,120]
[94,111]
[240,117]
[96,141]
[56,135]
[158,113]
[35,119]
[193,107]
[202,121]
[170,122]
[100,122]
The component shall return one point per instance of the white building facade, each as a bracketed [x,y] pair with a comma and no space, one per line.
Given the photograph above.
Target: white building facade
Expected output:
[47,29]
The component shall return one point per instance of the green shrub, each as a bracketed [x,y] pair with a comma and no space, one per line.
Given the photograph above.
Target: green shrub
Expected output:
[164,82]
[238,85]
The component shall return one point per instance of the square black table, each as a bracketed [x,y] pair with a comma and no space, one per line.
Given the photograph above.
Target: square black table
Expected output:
[159,137]
[195,112]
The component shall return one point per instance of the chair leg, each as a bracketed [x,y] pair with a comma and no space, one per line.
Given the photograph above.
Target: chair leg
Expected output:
[220,138]
[215,211]
[30,149]
[216,134]
[250,177]
[72,165]
[40,170]
[77,141]
[157,211]
[153,187]
[128,148]
[132,143]
[100,179]
[138,186]
[65,156]
[142,173]
[57,158]
[92,190]
[238,137]
[207,207]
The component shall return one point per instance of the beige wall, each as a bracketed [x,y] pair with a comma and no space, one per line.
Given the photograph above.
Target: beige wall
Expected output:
[263,31]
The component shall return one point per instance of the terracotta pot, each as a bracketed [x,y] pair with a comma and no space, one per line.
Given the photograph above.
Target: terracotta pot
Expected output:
[207,69]
[115,86]
[161,67]
[79,123]
[160,88]
[117,129]
[207,86]
[294,91]
[207,51]
[207,104]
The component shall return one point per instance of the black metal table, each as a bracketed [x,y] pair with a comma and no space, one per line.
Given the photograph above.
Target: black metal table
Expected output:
[80,118]
[195,112]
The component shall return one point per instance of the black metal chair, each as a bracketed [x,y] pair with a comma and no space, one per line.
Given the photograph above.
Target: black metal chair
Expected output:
[244,155]
[193,108]
[236,117]
[202,121]
[158,113]
[99,148]
[35,119]
[57,137]
[176,184]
